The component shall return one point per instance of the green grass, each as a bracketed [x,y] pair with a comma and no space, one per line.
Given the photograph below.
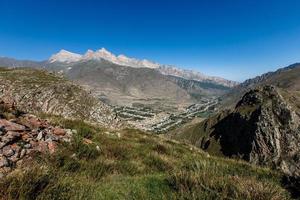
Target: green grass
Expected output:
[136,166]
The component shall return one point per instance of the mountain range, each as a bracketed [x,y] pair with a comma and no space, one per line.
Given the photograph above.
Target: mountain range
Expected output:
[120,80]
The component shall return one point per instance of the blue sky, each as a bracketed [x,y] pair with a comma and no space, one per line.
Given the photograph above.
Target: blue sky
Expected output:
[235,39]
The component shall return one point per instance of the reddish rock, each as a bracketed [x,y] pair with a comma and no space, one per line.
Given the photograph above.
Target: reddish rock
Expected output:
[33,122]
[25,136]
[52,147]
[7,151]
[42,147]
[11,126]
[59,131]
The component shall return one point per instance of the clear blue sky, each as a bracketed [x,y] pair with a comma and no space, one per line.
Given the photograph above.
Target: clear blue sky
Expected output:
[236,39]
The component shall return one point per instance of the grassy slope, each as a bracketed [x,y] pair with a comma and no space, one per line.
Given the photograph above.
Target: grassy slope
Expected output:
[136,166]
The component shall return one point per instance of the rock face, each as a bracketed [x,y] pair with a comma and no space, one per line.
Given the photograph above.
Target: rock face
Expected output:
[39,91]
[263,129]
[21,135]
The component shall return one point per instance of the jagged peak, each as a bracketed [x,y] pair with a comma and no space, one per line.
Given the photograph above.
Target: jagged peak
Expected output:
[65,56]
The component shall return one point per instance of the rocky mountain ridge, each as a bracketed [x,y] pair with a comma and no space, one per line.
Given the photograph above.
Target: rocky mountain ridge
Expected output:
[286,78]
[40,91]
[263,129]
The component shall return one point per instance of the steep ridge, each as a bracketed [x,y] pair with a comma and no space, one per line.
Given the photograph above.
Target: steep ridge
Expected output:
[40,91]
[287,78]
[263,129]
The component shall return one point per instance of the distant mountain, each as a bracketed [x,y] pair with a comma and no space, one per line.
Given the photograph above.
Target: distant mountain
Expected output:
[101,54]
[194,75]
[286,78]
[64,56]
[122,80]
[11,62]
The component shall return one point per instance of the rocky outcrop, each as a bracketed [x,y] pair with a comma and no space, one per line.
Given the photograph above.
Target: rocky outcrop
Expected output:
[22,135]
[274,137]
[265,131]
[263,128]
[37,91]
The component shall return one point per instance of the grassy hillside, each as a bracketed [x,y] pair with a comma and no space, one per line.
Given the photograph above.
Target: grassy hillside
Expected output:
[130,164]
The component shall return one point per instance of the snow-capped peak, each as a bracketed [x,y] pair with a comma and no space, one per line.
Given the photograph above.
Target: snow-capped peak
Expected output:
[65,57]
[68,57]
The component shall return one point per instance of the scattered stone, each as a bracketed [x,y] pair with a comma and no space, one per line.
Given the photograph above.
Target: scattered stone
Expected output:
[23,153]
[52,147]
[25,134]
[2,144]
[11,126]
[98,148]
[27,146]
[69,132]
[3,162]
[40,136]
[118,135]
[51,137]
[7,151]
[42,147]
[59,131]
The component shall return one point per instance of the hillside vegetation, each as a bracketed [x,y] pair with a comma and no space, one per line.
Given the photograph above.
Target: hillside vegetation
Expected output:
[130,164]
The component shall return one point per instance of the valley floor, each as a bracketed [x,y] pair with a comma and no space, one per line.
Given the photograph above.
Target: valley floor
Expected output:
[159,121]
